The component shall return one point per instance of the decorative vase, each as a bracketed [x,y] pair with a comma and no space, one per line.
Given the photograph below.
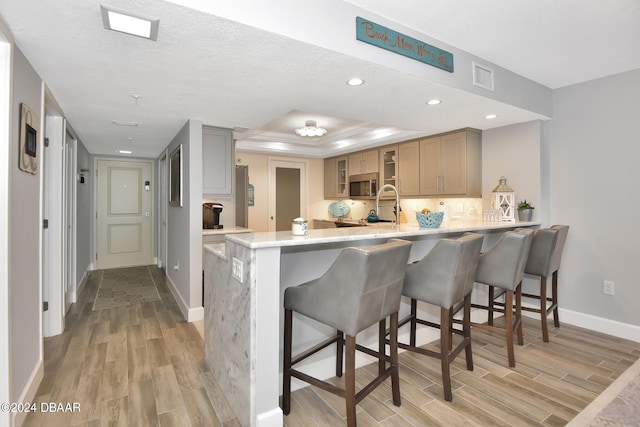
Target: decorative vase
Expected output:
[524,215]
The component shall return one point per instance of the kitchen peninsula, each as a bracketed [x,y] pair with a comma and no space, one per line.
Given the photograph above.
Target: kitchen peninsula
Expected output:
[245,278]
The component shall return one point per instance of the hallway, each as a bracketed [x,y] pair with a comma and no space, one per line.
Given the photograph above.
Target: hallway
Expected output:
[138,365]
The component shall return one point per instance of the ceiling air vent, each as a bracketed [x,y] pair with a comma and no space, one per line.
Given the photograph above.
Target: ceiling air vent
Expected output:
[482,76]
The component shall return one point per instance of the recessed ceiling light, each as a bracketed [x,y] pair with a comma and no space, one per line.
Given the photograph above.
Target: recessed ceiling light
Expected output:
[355,82]
[124,151]
[433,102]
[490,116]
[126,22]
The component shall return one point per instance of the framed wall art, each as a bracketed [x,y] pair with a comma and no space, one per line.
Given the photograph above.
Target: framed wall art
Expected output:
[28,152]
[175,177]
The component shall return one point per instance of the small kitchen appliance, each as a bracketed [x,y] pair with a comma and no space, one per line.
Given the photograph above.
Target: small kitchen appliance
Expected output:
[363,186]
[211,215]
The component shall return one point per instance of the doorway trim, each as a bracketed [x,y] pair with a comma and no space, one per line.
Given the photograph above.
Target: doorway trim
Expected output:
[163,209]
[285,162]
[53,207]
[6,58]
[70,197]
[96,196]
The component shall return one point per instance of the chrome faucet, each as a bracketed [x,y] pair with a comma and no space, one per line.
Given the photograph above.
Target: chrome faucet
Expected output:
[391,187]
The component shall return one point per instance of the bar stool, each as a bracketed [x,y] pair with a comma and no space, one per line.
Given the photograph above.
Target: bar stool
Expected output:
[544,261]
[361,288]
[444,277]
[502,266]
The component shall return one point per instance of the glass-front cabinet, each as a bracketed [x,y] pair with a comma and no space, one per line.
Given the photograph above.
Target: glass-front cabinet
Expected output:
[342,177]
[389,168]
[336,175]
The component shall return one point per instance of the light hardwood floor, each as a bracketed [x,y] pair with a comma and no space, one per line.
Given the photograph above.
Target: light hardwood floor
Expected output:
[143,365]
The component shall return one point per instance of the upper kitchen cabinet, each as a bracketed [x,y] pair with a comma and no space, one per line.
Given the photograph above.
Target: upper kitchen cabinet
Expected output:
[335,178]
[363,162]
[451,165]
[217,161]
[409,169]
[389,168]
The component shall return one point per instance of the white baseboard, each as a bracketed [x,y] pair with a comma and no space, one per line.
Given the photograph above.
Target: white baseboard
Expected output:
[190,314]
[593,323]
[195,314]
[29,392]
[81,285]
[600,324]
[272,418]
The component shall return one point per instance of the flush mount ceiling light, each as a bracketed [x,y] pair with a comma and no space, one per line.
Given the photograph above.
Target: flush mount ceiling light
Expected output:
[123,123]
[433,102]
[311,129]
[124,151]
[490,116]
[126,22]
[355,82]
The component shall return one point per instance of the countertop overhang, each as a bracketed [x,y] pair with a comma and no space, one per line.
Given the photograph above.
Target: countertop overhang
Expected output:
[271,239]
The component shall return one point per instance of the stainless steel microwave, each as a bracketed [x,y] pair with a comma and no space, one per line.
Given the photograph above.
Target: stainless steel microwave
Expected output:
[364,186]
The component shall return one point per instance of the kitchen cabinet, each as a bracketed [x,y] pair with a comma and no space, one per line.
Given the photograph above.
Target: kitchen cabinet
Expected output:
[335,178]
[450,165]
[363,162]
[389,168]
[409,169]
[217,161]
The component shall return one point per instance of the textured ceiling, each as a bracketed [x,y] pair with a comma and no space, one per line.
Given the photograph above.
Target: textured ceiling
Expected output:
[229,74]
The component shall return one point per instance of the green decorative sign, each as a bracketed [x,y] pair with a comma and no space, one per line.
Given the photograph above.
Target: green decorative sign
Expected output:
[385,38]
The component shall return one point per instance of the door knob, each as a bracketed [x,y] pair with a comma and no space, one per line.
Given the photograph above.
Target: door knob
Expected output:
[147,214]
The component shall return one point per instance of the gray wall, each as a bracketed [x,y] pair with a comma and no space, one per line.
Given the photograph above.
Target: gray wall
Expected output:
[24,245]
[514,152]
[591,153]
[184,225]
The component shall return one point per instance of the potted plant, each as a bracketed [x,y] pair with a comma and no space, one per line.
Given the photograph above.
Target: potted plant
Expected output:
[525,211]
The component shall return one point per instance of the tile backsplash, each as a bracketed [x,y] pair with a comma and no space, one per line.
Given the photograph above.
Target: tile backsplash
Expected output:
[457,208]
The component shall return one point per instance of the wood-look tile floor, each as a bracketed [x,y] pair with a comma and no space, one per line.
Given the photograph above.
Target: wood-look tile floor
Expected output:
[142,365]
[551,383]
[139,365]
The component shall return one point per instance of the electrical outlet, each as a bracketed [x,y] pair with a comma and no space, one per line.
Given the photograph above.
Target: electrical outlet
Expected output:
[607,287]
[236,269]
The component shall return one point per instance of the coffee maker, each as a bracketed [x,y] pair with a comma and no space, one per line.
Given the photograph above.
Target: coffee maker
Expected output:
[211,215]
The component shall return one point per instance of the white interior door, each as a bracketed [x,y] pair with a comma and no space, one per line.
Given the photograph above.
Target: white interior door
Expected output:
[123,214]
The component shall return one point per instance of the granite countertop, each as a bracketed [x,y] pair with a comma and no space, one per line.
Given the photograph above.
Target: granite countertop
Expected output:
[271,239]
[226,230]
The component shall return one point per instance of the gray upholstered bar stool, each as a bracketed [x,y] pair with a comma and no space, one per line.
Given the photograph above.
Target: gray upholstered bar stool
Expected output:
[362,287]
[502,266]
[544,261]
[444,277]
